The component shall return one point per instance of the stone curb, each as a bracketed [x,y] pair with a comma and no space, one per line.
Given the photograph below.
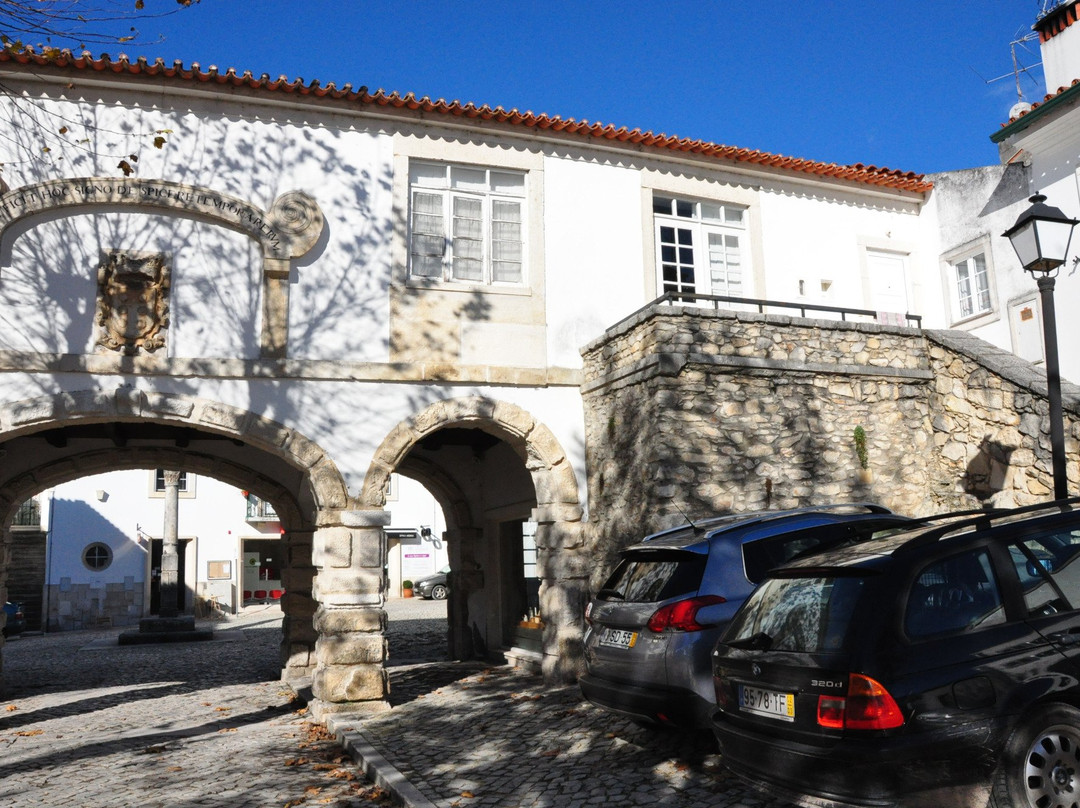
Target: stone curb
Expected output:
[374,765]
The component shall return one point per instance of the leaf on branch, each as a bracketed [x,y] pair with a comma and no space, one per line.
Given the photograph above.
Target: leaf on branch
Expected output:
[159,142]
[125,39]
[139,5]
[125,166]
[63,130]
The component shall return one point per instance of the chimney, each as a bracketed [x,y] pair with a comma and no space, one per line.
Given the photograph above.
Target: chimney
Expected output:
[1059,39]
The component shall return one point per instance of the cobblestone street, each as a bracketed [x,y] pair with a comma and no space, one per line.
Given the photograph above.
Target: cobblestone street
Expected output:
[84,721]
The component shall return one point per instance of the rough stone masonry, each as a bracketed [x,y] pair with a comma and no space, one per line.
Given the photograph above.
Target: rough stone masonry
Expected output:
[691,412]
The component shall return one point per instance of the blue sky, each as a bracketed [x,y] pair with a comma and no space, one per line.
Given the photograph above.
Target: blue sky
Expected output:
[898,84]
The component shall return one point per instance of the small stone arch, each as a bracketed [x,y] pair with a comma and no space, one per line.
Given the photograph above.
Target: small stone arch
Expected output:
[554,478]
[562,563]
[304,481]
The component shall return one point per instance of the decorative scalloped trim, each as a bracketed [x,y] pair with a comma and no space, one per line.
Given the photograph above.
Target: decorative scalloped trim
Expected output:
[868,175]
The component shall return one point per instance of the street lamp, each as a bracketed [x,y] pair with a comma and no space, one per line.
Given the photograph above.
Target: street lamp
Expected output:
[1041,239]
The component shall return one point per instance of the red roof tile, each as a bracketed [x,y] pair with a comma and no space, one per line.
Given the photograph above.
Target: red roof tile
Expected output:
[1048,97]
[868,175]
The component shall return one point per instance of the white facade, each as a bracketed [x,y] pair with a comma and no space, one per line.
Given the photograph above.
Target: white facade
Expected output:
[100,565]
[983,288]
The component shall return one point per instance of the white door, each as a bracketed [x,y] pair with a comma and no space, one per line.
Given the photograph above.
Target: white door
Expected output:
[1025,323]
[888,285]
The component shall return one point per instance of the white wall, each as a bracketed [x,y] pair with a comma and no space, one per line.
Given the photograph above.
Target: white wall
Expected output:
[120,510]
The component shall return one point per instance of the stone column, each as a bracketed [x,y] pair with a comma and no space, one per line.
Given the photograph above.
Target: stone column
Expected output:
[299,636]
[349,551]
[170,558]
[466,579]
[564,589]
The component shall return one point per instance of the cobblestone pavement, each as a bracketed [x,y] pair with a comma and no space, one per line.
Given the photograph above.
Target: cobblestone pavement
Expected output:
[87,722]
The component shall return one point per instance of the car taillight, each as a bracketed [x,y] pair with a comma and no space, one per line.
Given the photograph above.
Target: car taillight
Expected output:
[867,705]
[682,615]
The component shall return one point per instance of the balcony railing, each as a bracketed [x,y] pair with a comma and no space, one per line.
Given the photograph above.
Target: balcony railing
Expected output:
[259,510]
[715,301]
[28,515]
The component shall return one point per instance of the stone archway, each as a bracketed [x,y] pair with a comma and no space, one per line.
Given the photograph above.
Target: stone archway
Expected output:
[561,560]
[54,438]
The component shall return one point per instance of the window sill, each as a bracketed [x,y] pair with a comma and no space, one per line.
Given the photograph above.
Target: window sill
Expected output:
[467,288]
[976,320]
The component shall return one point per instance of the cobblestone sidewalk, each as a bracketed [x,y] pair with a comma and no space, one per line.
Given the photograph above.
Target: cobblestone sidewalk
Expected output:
[86,722]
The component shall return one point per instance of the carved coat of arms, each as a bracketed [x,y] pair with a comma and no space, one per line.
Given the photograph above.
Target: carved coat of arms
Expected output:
[133,302]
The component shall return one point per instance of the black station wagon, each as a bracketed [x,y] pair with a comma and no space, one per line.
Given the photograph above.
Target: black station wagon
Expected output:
[939,665]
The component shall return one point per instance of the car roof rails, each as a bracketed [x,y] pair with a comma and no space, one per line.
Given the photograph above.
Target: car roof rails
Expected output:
[717,524]
[983,518]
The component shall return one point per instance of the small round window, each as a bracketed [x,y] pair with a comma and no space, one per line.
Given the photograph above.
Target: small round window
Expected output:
[97,556]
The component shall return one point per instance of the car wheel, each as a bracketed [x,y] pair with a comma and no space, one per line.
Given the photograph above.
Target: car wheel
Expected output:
[1041,763]
[438,592]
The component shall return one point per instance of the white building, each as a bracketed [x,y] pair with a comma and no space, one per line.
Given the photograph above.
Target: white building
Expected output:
[307,289]
[985,290]
[104,540]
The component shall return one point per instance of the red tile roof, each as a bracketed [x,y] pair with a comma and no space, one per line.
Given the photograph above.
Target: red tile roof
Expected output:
[1046,99]
[868,175]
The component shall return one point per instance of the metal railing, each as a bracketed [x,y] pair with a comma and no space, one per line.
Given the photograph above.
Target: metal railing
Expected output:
[259,510]
[714,301]
[28,515]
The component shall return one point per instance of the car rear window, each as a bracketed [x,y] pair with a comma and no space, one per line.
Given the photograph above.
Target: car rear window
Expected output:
[804,614]
[655,576]
[762,555]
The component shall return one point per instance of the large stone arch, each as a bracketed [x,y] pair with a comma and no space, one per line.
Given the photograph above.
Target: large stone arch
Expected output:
[53,438]
[561,559]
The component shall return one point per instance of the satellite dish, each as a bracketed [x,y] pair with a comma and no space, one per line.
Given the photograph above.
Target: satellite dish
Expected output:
[1019,109]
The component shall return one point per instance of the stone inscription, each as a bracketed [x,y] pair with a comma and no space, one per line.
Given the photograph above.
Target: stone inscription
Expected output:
[279,239]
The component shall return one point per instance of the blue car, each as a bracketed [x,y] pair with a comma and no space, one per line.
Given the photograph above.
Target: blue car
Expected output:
[16,620]
[652,626]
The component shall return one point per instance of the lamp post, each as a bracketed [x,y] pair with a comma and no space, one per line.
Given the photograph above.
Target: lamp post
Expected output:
[1041,239]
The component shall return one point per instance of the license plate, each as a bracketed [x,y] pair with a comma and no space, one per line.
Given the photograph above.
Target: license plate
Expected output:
[767,702]
[617,638]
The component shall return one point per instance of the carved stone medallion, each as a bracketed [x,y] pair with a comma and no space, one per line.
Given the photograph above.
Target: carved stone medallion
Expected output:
[133,302]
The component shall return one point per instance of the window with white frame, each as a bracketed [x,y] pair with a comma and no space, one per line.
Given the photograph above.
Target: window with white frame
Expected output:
[466,224]
[159,481]
[971,286]
[700,247]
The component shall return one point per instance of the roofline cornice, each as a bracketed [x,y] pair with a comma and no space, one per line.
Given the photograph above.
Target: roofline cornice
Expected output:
[551,128]
[1064,96]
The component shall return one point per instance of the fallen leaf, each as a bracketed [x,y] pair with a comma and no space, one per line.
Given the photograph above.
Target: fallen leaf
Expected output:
[227,729]
[175,769]
[11,708]
[467,795]
[26,733]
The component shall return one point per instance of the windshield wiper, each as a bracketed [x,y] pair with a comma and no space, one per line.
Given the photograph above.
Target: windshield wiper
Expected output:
[755,642]
[611,594]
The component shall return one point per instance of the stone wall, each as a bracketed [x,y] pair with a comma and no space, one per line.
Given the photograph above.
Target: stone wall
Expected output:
[991,426]
[691,413]
[83,606]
